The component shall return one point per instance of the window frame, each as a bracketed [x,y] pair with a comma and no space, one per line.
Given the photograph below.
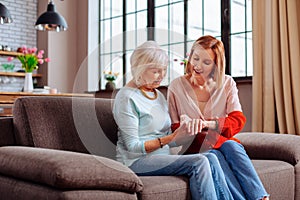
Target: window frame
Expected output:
[225,33]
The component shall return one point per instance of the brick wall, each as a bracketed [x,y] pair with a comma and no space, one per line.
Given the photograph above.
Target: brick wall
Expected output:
[21,31]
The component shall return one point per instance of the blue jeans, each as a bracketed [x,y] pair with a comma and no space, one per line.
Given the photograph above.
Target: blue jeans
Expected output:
[239,171]
[207,180]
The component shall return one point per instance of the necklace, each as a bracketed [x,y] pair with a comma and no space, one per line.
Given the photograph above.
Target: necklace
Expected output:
[147,96]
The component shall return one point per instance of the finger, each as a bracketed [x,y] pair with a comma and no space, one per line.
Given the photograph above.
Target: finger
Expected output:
[200,125]
[189,127]
[197,126]
[193,127]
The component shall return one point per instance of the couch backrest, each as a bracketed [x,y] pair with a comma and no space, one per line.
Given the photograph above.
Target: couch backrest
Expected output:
[6,131]
[66,123]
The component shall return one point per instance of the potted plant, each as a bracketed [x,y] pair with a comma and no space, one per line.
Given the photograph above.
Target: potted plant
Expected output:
[110,77]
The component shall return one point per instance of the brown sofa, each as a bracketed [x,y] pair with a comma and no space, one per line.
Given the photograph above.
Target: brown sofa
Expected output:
[63,148]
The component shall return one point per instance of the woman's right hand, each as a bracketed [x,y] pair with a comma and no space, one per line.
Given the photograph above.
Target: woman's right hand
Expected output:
[194,125]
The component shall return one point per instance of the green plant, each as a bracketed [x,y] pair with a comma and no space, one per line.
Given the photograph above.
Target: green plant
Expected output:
[8,67]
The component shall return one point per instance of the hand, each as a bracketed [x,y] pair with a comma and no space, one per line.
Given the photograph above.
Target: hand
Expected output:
[181,135]
[194,125]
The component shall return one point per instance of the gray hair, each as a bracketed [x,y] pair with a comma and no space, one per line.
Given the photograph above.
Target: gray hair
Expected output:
[148,54]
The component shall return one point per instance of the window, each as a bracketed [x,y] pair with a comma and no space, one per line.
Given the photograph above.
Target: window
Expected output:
[178,23]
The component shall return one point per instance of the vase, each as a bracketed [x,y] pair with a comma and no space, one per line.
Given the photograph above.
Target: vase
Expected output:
[110,85]
[28,83]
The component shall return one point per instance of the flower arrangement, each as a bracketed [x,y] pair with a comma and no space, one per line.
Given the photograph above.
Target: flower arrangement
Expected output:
[110,76]
[30,58]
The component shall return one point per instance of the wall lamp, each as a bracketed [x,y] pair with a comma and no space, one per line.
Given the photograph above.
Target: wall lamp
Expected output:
[51,20]
[4,15]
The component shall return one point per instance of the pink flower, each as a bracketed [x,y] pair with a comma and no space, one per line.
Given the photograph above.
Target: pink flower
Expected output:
[41,61]
[10,59]
[47,59]
[34,49]
[24,49]
[40,55]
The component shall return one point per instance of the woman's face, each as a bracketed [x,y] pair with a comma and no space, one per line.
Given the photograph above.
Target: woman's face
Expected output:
[202,62]
[153,76]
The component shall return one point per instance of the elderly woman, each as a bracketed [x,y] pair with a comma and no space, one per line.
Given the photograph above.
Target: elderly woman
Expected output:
[208,97]
[144,133]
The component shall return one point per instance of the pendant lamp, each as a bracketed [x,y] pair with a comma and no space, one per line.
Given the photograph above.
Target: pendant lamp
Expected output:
[51,20]
[4,15]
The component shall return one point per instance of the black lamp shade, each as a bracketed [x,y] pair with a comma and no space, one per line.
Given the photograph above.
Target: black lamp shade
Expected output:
[51,20]
[4,15]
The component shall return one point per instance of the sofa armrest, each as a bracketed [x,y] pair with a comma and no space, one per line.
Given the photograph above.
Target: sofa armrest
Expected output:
[67,170]
[6,131]
[270,146]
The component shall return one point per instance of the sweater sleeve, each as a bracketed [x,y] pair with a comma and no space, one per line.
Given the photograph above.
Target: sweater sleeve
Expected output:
[232,124]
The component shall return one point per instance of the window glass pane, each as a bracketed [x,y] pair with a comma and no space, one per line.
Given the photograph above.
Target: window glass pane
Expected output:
[176,67]
[117,8]
[237,16]
[117,26]
[116,67]
[238,51]
[105,35]
[104,67]
[212,17]
[141,26]
[161,2]
[128,74]
[106,8]
[194,29]
[249,15]
[176,19]
[131,6]
[130,31]
[102,9]
[141,4]
[161,23]
[117,40]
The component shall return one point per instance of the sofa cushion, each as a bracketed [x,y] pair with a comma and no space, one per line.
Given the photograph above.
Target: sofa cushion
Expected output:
[164,187]
[67,170]
[66,123]
[16,189]
[278,178]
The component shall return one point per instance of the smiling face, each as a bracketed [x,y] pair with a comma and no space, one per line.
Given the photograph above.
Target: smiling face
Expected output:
[202,63]
[153,76]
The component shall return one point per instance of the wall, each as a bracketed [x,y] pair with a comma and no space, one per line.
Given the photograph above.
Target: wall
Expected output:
[21,31]
[69,50]
[245,95]
[61,46]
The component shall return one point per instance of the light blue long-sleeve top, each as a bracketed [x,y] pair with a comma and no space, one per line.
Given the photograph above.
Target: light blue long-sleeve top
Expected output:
[139,119]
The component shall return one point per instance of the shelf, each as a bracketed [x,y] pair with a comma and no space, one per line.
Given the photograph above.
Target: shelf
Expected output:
[19,74]
[10,53]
